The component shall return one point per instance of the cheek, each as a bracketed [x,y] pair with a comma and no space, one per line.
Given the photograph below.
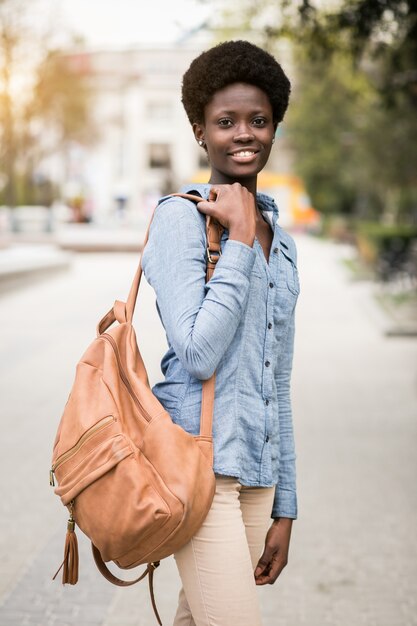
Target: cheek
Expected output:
[215,146]
[267,151]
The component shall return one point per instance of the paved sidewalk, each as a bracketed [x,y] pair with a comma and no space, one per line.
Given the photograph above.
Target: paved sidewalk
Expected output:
[113,235]
[20,264]
[353,558]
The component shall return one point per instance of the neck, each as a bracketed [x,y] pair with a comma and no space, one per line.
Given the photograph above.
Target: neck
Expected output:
[218,179]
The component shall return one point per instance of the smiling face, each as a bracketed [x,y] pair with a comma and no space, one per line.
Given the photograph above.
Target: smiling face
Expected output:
[238,132]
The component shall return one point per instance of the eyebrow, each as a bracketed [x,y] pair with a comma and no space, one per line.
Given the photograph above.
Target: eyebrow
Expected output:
[232,112]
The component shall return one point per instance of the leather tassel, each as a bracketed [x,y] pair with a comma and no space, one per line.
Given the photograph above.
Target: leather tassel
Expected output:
[70,562]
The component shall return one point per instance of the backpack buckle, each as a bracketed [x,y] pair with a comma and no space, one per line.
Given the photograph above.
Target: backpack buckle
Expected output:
[217,254]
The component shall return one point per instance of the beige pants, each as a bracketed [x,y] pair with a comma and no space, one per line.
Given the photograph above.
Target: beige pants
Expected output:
[217,565]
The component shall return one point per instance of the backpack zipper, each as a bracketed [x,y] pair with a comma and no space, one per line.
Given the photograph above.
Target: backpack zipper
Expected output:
[85,437]
[125,379]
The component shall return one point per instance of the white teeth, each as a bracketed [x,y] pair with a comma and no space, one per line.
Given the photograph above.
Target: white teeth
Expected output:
[244,153]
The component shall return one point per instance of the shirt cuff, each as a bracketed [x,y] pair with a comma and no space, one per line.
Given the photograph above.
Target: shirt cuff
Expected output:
[285,504]
[238,256]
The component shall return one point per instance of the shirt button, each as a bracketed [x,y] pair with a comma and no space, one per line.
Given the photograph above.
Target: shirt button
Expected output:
[267,402]
[271,285]
[267,438]
[267,363]
[275,250]
[269,325]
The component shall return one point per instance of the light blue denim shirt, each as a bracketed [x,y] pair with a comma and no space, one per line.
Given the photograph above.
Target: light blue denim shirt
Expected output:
[241,325]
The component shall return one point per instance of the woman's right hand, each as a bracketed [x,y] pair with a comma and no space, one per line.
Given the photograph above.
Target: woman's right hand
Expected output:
[234,207]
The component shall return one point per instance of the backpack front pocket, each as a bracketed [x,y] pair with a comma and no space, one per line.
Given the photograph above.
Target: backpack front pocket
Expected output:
[118,503]
[77,468]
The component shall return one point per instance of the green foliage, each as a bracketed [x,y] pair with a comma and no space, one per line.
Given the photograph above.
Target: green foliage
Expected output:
[382,232]
[322,124]
[383,30]
[356,154]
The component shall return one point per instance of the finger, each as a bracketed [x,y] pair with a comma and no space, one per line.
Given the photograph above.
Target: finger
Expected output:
[260,573]
[276,568]
[213,194]
[262,580]
[265,559]
[263,566]
[206,207]
[262,576]
[268,577]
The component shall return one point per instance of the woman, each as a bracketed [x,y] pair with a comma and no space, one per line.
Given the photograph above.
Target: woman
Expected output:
[241,325]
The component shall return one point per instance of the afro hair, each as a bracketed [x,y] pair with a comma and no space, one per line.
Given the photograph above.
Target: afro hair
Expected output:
[233,62]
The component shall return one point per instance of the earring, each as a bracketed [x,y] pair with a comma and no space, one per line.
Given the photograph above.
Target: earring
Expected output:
[273,139]
[200,142]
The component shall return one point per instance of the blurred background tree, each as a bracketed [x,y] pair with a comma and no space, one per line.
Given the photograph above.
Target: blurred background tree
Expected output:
[356,102]
[44,105]
[352,119]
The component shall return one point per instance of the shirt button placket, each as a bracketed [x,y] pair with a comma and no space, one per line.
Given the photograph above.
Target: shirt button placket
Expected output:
[269,343]
[269,339]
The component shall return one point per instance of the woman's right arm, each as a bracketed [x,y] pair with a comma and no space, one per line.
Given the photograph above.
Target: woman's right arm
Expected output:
[200,319]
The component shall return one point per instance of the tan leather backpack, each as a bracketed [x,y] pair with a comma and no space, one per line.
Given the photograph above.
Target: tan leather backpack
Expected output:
[135,483]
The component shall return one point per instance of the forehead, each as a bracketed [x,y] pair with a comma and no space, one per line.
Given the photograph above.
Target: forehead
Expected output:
[238,96]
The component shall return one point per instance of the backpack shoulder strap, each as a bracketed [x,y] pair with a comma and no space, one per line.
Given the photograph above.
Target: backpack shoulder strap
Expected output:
[214,232]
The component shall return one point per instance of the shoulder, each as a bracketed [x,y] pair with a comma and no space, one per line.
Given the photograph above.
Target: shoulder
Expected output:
[176,225]
[174,210]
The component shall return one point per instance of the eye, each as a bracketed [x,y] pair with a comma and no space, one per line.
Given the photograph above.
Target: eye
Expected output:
[259,121]
[225,122]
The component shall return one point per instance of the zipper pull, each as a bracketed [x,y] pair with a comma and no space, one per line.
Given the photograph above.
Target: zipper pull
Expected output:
[51,478]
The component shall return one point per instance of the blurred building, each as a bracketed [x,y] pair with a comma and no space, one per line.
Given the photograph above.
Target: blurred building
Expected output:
[145,146]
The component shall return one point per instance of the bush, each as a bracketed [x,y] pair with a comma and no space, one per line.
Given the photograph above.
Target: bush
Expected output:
[390,249]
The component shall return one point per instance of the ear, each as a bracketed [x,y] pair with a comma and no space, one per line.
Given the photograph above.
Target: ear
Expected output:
[199,131]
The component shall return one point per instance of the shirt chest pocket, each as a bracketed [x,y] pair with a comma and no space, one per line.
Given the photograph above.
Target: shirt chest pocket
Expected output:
[288,271]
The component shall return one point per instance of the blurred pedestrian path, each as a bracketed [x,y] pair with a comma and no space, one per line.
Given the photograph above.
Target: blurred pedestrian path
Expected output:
[353,555]
[20,264]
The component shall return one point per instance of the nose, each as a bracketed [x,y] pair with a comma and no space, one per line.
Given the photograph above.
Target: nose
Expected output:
[243,134]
